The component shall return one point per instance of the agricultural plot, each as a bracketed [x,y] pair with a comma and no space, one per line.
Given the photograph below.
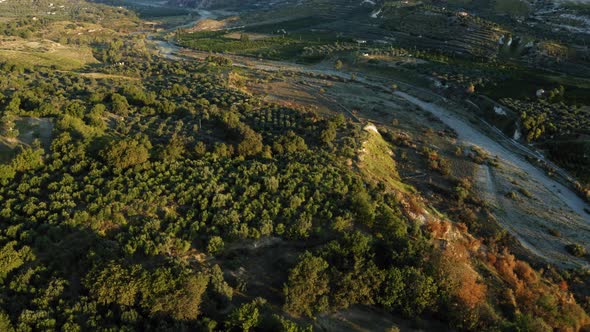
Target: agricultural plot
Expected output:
[278,47]
[450,31]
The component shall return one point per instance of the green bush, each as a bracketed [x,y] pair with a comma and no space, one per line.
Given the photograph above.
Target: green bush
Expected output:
[576,250]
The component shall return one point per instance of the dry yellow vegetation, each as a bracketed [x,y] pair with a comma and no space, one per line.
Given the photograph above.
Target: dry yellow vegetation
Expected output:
[44,53]
[376,162]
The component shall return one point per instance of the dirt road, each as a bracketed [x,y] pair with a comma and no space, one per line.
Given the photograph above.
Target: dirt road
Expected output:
[471,135]
[550,208]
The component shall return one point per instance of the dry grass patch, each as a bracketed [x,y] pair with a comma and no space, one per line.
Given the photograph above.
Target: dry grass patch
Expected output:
[45,53]
[376,161]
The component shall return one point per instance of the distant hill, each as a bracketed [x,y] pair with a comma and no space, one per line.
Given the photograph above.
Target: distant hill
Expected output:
[254,3]
[218,3]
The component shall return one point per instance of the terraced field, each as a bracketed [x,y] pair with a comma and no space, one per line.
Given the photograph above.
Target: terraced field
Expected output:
[449,31]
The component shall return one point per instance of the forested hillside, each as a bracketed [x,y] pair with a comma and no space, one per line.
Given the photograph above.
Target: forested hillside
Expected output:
[139,193]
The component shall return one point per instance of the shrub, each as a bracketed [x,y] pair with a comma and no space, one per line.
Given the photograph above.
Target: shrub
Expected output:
[420,292]
[525,193]
[120,105]
[307,288]
[511,195]
[215,245]
[126,153]
[576,250]
[247,316]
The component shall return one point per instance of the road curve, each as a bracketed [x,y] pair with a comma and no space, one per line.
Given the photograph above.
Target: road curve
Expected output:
[470,135]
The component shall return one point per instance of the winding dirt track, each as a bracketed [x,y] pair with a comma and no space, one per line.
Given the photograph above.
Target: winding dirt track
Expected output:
[471,135]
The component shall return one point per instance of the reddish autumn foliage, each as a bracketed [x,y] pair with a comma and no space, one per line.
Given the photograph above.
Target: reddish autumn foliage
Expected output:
[438,228]
[471,293]
[563,285]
